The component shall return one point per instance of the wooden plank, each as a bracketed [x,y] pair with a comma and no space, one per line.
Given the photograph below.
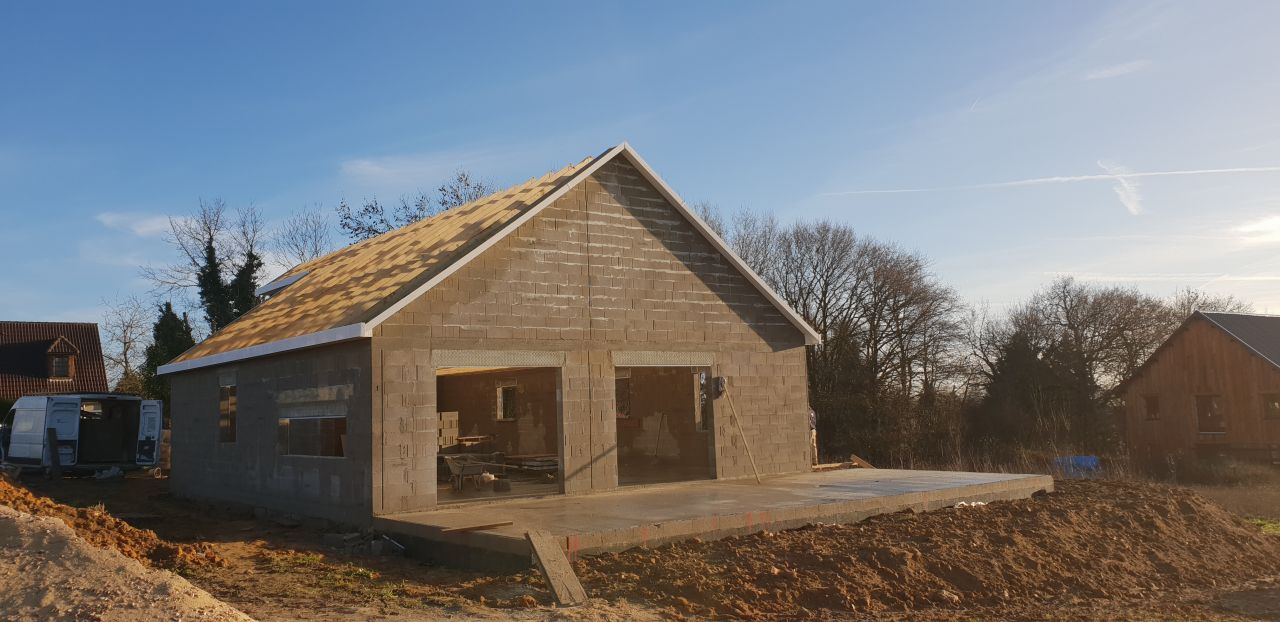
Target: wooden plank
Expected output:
[745,443]
[555,568]
[479,527]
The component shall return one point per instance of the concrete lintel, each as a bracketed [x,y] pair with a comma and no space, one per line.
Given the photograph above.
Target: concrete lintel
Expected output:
[497,358]
[643,358]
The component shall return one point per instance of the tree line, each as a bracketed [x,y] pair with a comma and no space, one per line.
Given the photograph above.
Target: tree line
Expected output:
[909,374]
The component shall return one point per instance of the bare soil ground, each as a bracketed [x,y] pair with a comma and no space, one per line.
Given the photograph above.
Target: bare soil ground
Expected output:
[1093,550]
[50,573]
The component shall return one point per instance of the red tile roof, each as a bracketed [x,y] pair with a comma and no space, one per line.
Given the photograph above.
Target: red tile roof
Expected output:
[24,358]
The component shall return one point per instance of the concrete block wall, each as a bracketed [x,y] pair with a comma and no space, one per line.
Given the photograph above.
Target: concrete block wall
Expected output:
[251,470]
[609,266]
[404,435]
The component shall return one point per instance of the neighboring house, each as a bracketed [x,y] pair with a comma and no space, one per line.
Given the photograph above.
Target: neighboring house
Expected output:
[44,358]
[1212,389]
[567,334]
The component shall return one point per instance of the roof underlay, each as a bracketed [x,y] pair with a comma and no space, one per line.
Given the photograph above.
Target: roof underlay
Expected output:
[347,293]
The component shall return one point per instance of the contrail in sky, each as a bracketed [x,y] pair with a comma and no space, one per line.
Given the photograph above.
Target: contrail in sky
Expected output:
[1039,181]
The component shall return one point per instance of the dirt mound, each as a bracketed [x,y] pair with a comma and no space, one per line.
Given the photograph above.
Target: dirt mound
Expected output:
[1089,540]
[101,529]
[50,573]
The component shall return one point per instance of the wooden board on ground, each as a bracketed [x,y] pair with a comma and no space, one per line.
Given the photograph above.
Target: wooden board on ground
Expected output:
[479,527]
[555,568]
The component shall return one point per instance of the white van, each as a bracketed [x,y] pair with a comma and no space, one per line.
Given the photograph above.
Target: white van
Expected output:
[94,431]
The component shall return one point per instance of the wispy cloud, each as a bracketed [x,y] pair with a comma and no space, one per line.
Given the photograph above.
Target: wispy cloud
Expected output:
[1265,230]
[1161,277]
[1115,71]
[1126,187]
[1123,179]
[412,170]
[141,225]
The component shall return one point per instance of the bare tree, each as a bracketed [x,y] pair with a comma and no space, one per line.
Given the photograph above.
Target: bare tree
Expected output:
[1187,301]
[231,235]
[303,236]
[126,333]
[187,235]
[463,188]
[216,250]
[710,213]
[372,218]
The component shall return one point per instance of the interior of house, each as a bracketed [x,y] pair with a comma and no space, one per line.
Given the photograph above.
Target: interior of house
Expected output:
[664,424]
[499,429]
[499,432]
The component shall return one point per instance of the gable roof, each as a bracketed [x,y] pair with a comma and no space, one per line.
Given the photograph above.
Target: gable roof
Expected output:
[315,302]
[1260,333]
[24,358]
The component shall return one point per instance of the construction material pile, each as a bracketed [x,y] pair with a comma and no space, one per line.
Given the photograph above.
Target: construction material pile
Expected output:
[101,529]
[51,573]
[1089,540]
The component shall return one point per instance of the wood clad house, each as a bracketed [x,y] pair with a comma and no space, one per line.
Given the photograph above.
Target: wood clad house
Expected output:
[1212,389]
[567,335]
[46,358]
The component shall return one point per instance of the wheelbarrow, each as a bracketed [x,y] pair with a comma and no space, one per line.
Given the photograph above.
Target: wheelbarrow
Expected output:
[463,467]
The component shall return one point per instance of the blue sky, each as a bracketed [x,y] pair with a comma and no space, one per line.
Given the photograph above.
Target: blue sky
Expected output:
[1016,139]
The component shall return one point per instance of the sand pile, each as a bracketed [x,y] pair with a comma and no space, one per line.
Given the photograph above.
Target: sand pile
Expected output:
[101,529]
[1089,540]
[50,573]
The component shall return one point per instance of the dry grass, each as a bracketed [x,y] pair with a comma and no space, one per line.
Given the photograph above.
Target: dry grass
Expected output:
[1253,501]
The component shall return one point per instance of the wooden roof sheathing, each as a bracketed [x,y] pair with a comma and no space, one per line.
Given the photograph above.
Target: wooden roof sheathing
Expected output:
[345,294]
[351,285]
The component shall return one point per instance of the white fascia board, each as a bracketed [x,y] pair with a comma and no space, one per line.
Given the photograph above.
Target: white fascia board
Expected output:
[811,336]
[333,335]
[497,237]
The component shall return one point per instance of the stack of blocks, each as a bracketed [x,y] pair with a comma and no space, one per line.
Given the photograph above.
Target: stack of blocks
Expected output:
[448,429]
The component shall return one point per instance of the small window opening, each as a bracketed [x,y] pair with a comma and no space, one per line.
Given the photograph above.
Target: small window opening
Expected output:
[1271,405]
[227,413]
[1153,407]
[506,401]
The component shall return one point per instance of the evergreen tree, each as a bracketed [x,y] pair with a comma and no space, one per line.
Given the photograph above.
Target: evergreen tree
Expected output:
[171,336]
[244,283]
[215,295]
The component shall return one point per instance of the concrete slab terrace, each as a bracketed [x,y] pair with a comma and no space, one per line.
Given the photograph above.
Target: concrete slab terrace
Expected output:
[654,515]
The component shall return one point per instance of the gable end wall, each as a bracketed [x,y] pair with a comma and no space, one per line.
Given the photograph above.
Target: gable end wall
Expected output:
[609,266]
[1201,359]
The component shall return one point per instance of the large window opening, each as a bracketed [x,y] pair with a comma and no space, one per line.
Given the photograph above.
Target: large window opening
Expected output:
[664,418]
[1209,419]
[498,432]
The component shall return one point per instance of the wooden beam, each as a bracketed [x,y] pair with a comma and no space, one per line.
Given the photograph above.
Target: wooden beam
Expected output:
[480,527]
[559,575]
[745,443]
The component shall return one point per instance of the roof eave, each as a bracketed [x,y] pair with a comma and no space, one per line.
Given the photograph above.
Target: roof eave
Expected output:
[324,337]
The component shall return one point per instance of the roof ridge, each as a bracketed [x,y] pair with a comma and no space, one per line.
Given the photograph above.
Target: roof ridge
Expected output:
[1250,314]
